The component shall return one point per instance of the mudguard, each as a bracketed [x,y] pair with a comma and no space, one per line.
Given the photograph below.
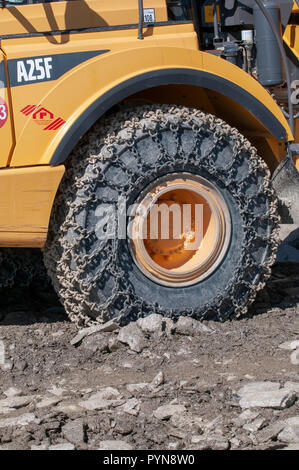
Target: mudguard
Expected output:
[111,77]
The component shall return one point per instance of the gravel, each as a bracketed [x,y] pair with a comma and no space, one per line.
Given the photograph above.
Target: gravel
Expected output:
[157,384]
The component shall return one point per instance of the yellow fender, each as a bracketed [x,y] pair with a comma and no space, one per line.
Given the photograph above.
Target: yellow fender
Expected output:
[83,94]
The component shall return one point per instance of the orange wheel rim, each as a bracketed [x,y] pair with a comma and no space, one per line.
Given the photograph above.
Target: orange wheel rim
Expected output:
[180,230]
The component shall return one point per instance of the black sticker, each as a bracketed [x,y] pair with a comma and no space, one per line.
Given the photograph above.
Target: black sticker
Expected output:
[28,70]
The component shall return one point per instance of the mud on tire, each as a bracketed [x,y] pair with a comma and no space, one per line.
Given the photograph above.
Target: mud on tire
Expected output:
[98,279]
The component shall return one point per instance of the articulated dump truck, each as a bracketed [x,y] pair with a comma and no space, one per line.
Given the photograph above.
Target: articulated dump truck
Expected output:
[149,149]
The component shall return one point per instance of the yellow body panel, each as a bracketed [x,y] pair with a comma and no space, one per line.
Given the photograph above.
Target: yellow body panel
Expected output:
[26,198]
[57,16]
[27,194]
[166,47]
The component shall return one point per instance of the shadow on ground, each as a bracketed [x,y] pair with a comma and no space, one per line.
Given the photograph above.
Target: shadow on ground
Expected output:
[29,305]
[26,306]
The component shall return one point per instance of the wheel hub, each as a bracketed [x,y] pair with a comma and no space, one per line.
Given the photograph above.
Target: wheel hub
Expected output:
[180,230]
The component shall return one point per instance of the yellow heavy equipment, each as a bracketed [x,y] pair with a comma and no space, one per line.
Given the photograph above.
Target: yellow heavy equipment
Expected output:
[149,148]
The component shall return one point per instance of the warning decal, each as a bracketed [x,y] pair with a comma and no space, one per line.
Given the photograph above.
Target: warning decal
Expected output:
[43,117]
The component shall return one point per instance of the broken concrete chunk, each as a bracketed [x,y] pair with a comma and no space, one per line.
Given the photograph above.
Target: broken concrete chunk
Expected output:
[12,392]
[22,420]
[105,398]
[137,387]
[256,387]
[158,380]
[133,336]
[151,324]
[278,399]
[62,446]
[290,345]
[255,425]
[16,402]
[48,401]
[290,433]
[131,407]
[247,416]
[167,411]
[115,445]
[96,342]
[109,326]
[74,431]
[190,327]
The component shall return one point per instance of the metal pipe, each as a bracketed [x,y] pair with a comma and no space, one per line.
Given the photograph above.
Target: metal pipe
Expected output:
[284,59]
[141,19]
[215,15]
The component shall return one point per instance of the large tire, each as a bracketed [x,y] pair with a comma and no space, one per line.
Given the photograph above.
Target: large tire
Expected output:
[98,280]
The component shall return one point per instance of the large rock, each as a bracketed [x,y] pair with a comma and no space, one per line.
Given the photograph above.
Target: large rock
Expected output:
[167,411]
[15,402]
[212,442]
[12,392]
[48,402]
[255,425]
[22,420]
[133,388]
[115,445]
[290,433]
[132,407]
[256,387]
[270,432]
[157,380]
[187,421]
[151,324]
[109,326]
[289,345]
[247,416]
[74,431]
[190,327]
[278,399]
[105,398]
[96,342]
[132,336]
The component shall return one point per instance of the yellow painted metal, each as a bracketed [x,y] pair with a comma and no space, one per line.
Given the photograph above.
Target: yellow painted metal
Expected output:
[163,47]
[26,194]
[66,15]
[26,199]
[6,116]
[128,58]
[291,38]
[22,239]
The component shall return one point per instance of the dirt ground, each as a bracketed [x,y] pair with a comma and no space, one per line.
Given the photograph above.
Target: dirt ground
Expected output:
[181,391]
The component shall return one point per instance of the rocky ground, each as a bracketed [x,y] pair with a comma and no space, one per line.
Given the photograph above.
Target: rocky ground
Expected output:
[152,384]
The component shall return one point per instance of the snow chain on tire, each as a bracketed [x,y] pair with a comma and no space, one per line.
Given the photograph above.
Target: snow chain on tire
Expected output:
[68,262]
